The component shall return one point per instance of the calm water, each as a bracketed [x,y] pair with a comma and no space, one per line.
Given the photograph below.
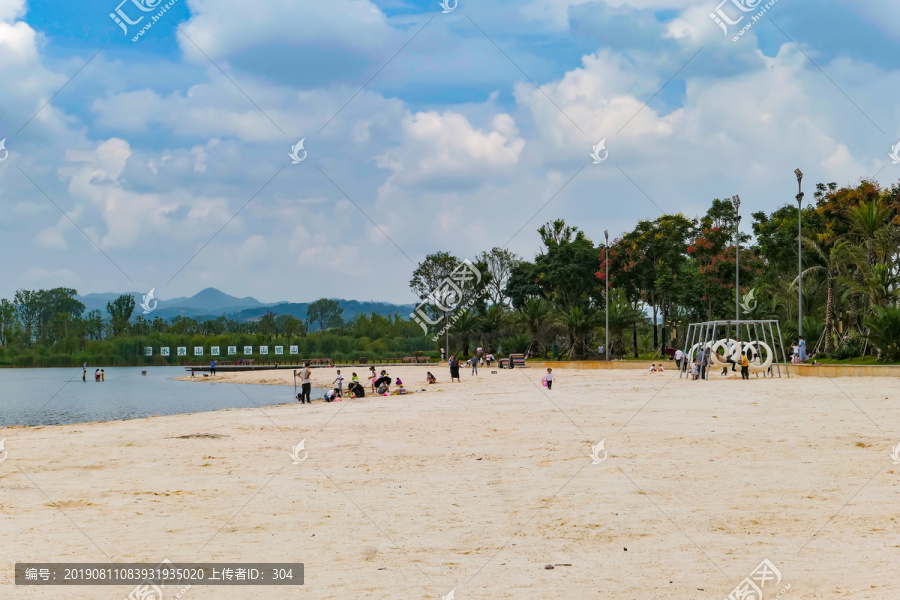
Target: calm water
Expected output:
[55,396]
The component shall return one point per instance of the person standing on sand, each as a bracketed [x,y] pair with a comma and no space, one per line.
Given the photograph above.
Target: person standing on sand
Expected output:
[442,355]
[372,377]
[340,382]
[454,369]
[474,362]
[701,360]
[212,367]
[802,344]
[305,385]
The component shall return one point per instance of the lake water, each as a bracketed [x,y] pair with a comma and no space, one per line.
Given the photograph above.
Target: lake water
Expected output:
[56,396]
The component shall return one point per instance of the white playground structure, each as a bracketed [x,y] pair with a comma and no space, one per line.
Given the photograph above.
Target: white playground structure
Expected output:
[757,338]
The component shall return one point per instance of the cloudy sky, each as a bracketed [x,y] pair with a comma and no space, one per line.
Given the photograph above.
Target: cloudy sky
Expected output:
[164,162]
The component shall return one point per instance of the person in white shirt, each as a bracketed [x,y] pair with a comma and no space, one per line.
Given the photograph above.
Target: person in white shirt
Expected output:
[305,385]
[679,356]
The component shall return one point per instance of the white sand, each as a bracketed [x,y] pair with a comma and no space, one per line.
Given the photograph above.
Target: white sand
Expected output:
[477,486]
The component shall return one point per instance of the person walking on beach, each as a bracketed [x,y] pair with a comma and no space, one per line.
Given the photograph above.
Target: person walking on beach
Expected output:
[305,385]
[474,362]
[84,372]
[442,355]
[212,367]
[745,366]
[454,369]
[549,378]
[679,356]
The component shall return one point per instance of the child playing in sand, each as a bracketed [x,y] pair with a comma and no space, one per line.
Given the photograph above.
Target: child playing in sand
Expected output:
[429,378]
[660,368]
[652,368]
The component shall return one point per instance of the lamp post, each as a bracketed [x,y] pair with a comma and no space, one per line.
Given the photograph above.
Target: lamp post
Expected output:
[736,201]
[799,197]
[606,295]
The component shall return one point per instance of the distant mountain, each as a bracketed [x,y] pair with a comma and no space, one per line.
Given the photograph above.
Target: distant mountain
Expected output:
[212,300]
[206,302]
[351,309]
[211,303]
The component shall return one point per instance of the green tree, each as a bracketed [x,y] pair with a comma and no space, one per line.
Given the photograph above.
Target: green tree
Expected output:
[324,312]
[120,311]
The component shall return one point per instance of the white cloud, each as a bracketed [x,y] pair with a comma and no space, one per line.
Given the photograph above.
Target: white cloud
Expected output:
[446,146]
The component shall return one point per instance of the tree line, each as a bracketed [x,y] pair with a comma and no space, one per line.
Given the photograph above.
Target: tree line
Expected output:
[663,274]
[673,270]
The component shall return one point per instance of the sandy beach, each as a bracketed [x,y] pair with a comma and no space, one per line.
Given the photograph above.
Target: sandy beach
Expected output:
[475,487]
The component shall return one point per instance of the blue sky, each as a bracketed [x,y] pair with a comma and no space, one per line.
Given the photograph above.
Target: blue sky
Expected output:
[164,162]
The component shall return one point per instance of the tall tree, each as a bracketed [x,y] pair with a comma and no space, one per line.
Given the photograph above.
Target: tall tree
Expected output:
[499,263]
[324,312]
[120,311]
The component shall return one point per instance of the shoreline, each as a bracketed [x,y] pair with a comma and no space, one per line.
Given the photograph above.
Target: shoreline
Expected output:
[477,485]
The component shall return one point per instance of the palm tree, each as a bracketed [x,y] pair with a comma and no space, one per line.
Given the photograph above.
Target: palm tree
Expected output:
[491,322]
[534,313]
[867,223]
[579,322]
[622,317]
[834,259]
[465,325]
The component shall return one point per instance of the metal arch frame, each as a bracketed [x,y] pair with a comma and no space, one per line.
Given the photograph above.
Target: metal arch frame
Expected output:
[704,333]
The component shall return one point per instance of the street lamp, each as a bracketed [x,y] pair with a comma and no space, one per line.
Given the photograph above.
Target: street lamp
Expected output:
[606,295]
[799,197]
[736,200]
